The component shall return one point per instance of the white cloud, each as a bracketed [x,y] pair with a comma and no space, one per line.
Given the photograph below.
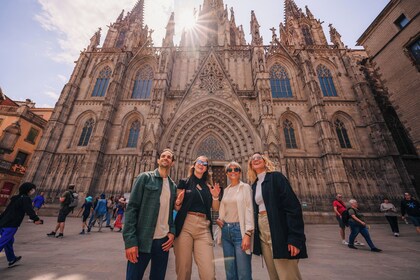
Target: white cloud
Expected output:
[75,21]
[52,94]
[45,105]
[62,78]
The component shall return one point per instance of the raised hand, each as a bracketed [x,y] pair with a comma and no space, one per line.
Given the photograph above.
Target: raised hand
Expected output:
[215,190]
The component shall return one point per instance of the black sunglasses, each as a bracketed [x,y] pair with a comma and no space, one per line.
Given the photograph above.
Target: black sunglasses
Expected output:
[236,169]
[202,162]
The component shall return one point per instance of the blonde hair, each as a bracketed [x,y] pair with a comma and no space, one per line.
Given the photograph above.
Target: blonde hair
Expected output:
[206,176]
[233,163]
[252,175]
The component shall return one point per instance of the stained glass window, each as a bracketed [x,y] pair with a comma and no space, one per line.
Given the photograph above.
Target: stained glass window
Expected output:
[102,82]
[86,132]
[326,81]
[280,82]
[289,135]
[342,135]
[307,35]
[143,83]
[133,135]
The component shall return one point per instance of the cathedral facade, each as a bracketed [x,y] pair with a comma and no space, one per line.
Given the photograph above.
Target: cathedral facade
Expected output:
[303,102]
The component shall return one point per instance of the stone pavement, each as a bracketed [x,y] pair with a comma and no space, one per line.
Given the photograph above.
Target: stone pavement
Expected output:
[101,255]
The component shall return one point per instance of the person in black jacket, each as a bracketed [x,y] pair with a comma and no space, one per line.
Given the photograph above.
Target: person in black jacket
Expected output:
[279,228]
[12,217]
[411,207]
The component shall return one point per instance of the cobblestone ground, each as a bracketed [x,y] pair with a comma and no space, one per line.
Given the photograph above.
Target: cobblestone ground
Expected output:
[100,255]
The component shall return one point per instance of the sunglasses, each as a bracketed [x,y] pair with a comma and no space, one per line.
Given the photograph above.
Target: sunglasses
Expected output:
[236,169]
[256,157]
[204,163]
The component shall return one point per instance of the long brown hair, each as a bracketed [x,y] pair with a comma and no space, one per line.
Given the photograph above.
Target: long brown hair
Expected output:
[252,175]
[206,176]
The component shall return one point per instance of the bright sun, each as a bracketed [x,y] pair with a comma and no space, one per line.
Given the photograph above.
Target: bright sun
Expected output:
[185,20]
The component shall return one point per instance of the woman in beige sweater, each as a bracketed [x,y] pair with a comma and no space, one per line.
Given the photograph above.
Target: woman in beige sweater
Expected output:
[237,224]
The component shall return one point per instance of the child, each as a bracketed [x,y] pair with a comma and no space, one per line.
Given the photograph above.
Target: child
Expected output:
[86,208]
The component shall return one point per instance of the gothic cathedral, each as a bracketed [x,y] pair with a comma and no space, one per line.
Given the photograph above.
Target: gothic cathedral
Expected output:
[303,102]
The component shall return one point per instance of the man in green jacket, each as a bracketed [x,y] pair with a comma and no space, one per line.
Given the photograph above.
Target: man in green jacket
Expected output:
[149,229]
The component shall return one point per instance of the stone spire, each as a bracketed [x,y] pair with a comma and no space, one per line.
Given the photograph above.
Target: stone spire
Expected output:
[255,30]
[170,32]
[335,37]
[137,13]
[291,9]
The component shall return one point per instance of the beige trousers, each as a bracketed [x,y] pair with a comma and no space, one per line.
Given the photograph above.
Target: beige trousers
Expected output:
[283,269]
[195,239]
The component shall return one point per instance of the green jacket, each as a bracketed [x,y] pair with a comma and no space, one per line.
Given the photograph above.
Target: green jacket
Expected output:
[143,210]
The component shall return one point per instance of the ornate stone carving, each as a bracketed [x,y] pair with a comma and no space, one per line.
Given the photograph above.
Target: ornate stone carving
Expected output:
[211,77]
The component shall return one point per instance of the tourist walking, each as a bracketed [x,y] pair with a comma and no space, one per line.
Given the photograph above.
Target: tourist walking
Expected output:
[87,208]
[38,202]
[358,225]
[120,214]
[12,217]
[65,209]
[279,228]
[411,207]
[194,236]
[236,221]
[100,212]
[110,204]
[148,230]
[391,215]
[339,207]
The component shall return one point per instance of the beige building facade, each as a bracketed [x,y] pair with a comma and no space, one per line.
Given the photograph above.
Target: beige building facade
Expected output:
[300,100]
[392,42]
[21,126]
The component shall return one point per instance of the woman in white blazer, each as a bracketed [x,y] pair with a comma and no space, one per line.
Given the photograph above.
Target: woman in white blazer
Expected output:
[237,225]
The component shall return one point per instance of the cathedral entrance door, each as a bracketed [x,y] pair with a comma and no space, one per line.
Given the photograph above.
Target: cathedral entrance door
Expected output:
[219,176]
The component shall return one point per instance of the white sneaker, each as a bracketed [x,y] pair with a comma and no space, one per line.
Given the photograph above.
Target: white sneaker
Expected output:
[357,243]
[344,242]
[396,234]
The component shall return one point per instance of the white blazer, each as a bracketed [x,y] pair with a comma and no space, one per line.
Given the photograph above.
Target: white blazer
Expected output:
[245,209]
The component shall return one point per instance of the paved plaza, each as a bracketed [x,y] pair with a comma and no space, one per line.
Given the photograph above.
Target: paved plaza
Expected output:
[101,255]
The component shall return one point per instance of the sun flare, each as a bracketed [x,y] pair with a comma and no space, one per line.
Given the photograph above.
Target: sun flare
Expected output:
[185,20]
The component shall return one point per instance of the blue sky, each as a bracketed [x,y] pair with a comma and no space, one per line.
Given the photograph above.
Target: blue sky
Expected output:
[41,39]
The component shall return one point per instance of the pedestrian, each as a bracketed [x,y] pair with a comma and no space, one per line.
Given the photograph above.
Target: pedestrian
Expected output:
[391,215]
[194,236]
[38,202]
[92,215]
[411,207]
[120,213]
[148,230]
[339,207]
[110,204]
[87,208]
[65,209]
[279,228]
[358,225]
[100,212]
[236,221]
[12,218]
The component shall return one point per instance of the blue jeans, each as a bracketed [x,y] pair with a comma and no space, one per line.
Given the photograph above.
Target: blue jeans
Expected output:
[357,228]
[108,217]
[237,262]
[159,260]
[6,242]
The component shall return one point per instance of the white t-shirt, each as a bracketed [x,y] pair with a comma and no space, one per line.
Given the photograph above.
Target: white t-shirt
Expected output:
[258,193]
[162,226]
[230,203]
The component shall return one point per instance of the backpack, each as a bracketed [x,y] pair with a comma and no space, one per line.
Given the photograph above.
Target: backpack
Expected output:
[74,200]
[345,216]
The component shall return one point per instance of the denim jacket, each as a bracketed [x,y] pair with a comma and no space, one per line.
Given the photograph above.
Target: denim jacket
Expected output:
[143,210]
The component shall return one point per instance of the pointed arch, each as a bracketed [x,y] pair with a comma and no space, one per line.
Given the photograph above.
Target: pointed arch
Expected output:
[326,81]
[290,126]
[143,83]
[345,130]
[133,134]
[280,82]
[211,146]
[131,130]
[86,132]
[102,82]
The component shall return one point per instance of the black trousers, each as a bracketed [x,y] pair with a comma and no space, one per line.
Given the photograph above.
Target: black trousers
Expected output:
[393,222]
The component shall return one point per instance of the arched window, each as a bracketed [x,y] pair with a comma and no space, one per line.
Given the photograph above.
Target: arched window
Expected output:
[102,82]
[86,132]
[342,135]
[133,135]
[307,35]
[280,82]
[326,81]
[232,37]
[289,135]
[143,83]
[120,40]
